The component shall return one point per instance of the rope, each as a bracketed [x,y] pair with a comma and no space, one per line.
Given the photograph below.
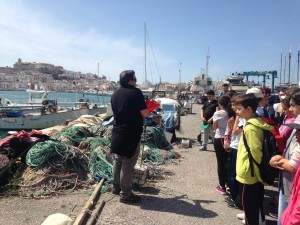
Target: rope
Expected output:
[41,152]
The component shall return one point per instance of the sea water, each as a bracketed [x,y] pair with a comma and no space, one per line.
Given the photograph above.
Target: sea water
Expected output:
[22,97]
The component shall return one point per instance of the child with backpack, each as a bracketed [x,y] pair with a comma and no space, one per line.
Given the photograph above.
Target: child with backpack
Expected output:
[234,200]
[252,187]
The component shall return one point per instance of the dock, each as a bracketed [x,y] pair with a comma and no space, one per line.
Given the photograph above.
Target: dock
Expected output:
[185,193]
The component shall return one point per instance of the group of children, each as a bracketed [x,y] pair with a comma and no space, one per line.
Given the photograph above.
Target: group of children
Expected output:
[235,121]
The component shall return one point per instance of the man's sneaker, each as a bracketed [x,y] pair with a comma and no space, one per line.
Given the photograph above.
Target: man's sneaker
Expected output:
[221,189]
[132,198]
[203,148]
[240,216]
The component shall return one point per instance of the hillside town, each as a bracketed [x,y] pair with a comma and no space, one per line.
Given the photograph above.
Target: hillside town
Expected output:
[33,75]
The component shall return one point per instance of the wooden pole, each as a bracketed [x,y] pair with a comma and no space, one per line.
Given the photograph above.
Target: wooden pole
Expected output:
[96,213]
[88,204]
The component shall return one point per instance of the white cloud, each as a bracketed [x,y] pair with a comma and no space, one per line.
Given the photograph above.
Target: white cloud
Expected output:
[36,36]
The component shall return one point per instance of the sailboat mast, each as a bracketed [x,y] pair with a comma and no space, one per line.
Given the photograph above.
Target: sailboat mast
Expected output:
[298,65]
[179,84]
[289,77]
[207,62]
[145,40]
[280,82]
[284,69]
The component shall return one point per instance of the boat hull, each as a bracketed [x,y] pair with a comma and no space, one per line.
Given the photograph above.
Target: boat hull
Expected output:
[44,121]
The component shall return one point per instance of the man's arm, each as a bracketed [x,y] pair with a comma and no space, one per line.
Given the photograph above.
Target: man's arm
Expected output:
[145,113]
[202,116]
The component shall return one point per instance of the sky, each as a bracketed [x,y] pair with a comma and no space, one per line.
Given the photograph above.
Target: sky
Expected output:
[106,37]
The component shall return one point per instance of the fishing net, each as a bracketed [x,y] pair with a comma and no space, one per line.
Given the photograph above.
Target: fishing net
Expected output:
[72,135]
[55,169]
[97,130]
[100,163]
[77,157]
[91,143]
[154,137]
[156,148]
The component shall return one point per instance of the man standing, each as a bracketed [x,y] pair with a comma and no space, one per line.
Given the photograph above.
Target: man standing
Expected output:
[207,112]
[225,87]
[129,110]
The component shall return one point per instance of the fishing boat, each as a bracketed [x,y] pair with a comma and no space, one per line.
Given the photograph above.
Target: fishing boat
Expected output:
[40,112]
[41,121]
[36,98]
[202,82]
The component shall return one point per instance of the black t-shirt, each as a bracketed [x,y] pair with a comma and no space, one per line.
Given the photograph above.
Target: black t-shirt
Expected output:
[209,109]
[126,105]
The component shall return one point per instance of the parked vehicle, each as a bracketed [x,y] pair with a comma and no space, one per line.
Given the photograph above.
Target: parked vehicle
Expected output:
[171,111]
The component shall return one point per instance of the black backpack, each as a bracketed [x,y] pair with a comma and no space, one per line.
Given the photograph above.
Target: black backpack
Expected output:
[269,149]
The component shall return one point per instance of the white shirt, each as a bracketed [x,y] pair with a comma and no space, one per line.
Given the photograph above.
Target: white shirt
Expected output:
[235,139]
[221,118]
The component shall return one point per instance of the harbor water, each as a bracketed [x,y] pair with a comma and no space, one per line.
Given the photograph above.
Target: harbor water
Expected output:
[61,97]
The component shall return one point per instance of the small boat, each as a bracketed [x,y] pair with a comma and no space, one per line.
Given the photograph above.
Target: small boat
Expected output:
[39,121]
[40,113]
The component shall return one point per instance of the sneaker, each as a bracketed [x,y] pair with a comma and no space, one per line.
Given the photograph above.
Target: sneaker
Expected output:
[228,199]
[203,148]
[221,189]
[228,190]
[232,205]
[273,214]
[241,216]
[132,198]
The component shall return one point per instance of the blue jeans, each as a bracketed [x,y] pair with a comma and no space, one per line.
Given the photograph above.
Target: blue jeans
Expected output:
[282,204]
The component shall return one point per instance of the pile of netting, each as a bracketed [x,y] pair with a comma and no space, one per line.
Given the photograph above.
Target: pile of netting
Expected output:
[73,161]
[156,149]
[54,167]
[72,135]
[76,157]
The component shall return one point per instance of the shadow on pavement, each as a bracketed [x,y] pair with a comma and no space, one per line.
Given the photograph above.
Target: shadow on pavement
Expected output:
[178,205]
